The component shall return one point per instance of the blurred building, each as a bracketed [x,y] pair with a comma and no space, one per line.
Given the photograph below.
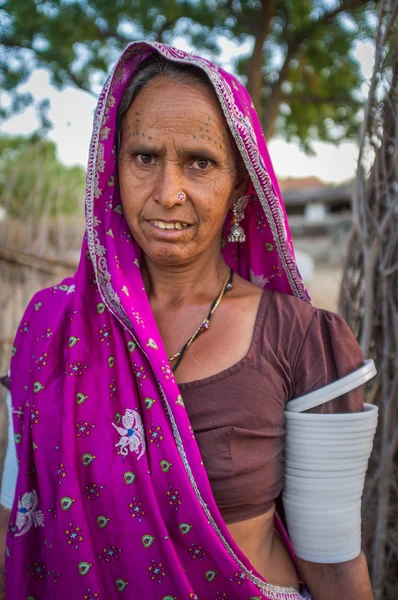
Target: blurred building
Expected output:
[319,216]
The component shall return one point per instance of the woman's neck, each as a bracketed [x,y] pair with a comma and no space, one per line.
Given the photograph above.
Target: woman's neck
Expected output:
[178,285]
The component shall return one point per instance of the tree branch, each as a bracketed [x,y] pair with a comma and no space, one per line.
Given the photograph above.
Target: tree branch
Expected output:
[314,99]
[387,217]
[165,27]
[255,63]
[105,34]
[8,42]
[307,32]
[249,22]
[294,41]
[78,82]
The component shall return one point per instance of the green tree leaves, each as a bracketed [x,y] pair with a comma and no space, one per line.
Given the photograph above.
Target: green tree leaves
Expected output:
[300,73]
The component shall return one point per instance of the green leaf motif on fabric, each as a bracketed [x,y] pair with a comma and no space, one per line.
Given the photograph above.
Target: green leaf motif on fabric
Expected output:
[100,308]
[111,362]
[37,387]
[73,341]
[180,401]
[13,351]
[87,459]
[152,344]
[84,568]
[80,398]
[165,465]
[129,477]
[131,346]
[66,502]
[102,521]
[184,528]
[121,584]
[211,575]
[119,209]
[118,418]
[169,598]
[147,540]
[17,438]
[38,306]
[149,402]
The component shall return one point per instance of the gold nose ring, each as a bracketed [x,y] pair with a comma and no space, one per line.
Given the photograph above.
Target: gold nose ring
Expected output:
[181,196]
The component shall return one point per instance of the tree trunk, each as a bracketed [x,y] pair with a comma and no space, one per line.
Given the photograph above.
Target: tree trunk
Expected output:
[255,63]
[270,112]
[369,299]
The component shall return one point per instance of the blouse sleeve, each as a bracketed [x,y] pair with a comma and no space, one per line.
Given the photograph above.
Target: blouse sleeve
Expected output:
[329,351]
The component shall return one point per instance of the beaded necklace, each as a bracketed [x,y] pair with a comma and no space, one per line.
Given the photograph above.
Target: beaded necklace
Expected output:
[227,286]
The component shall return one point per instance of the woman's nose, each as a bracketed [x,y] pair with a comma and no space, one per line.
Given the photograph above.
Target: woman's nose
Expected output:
[168,190]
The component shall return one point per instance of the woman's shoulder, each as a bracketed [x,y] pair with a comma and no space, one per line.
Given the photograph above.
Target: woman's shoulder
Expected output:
[293,309]
[49,301]
[294,326]
[46,307]
[288,310]
[279,314]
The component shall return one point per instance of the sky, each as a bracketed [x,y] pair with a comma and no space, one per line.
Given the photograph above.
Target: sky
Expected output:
[72,112]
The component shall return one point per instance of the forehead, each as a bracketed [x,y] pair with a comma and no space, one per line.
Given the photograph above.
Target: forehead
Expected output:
[181,105]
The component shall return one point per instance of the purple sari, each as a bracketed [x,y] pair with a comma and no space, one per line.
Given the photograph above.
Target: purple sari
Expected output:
[112,497]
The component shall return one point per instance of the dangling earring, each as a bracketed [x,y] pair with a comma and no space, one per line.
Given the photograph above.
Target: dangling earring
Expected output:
[237,233]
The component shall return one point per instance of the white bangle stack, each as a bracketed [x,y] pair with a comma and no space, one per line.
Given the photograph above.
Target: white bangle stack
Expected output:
[326,458]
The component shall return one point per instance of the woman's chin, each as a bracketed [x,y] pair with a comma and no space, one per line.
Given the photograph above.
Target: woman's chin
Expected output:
[168,254]
[176,252]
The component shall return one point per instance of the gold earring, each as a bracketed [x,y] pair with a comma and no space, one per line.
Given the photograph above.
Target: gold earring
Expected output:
[237,233]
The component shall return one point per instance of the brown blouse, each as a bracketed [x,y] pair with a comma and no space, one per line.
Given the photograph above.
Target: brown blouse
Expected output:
[238,415]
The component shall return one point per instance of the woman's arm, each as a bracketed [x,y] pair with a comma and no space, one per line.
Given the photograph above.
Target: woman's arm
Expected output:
[328,353]
[342,581]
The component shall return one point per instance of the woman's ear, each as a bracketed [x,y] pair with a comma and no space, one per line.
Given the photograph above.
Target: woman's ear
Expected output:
[242,180]
[242,177]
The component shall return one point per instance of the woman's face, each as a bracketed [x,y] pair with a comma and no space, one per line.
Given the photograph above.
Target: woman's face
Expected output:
[175,139]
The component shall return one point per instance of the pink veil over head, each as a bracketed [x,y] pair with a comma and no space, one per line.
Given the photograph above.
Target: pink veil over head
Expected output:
[112,497]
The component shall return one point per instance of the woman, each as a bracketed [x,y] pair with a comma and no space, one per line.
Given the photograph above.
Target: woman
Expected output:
[149,437]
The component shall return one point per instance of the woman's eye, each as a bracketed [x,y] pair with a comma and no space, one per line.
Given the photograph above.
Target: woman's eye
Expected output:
[144,159]
[202,163]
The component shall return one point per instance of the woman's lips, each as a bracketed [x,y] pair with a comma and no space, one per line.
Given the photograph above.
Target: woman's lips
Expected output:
[168,233]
